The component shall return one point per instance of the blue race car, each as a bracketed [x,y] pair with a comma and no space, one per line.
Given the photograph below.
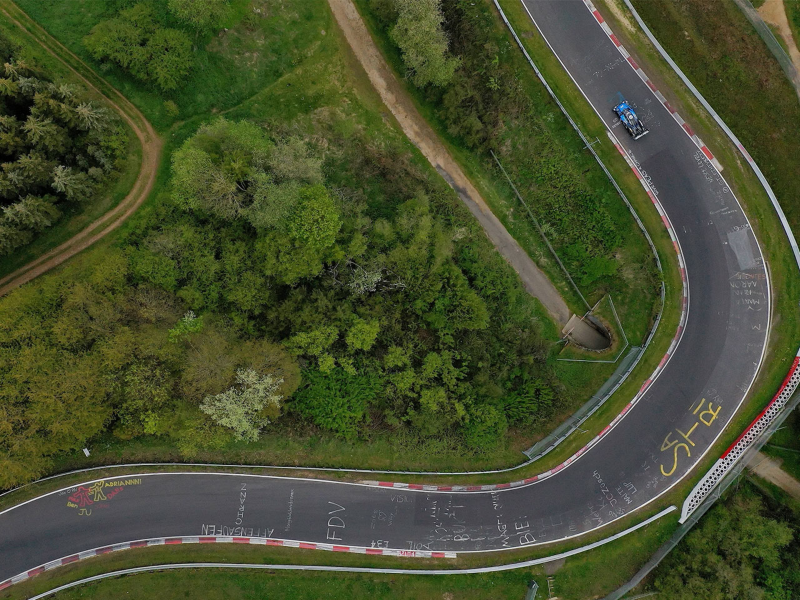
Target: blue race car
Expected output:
[628,118]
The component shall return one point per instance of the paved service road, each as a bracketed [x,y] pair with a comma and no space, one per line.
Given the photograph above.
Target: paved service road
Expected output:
[654,446]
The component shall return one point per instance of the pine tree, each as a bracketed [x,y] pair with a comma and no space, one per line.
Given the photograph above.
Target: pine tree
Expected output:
[8,87]
[37,129]
[74,185]
[16,68]
[31,213]
[12,237]
[90,116]
[36,168]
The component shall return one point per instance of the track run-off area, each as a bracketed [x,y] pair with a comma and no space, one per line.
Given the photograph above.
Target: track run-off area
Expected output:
[680,412]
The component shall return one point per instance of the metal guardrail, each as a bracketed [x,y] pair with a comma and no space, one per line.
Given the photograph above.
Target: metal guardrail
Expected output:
[764,31]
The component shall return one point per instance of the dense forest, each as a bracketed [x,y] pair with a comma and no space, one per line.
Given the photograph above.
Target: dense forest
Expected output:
[264,287]
[745,547]
[56,148]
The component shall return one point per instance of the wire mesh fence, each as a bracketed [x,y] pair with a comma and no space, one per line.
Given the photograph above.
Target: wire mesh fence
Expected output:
[765,33]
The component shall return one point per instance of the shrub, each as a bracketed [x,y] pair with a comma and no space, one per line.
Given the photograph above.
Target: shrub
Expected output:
[336,401]
[419,35]
[134,41]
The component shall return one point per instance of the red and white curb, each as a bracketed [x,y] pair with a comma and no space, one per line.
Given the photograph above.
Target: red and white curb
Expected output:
[732,455]
[218,539]
[643,76]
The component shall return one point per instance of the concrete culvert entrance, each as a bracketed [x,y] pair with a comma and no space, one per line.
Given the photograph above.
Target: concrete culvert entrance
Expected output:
[587,333]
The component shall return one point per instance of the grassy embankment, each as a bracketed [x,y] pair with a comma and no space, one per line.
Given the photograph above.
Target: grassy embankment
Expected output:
[75,216]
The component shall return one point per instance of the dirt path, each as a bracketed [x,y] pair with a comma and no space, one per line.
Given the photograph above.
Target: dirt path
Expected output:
[424,138]
[770,469]
[151,153]
[773,12]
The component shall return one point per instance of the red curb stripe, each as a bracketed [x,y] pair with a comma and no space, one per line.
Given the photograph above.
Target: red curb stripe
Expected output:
[274,542]
[474,488]
[633,62]
[386,484]
[603,432]
[437,554]
[445,488]
[531,479]
[688,129]
[766,408]
[666,223]
[669,107]
[414,486]
[556,469]
[677,248]
[502,486]
[35,572]
[645,385]
[707,152]
[626,409]
[374,551]
[663,360]
[140,544]
[241,540]
[615,40]
[307,546]
[71,559]
[598,16]
[105,550]
[5,584]
[206,540]
[341,548]
[651,86]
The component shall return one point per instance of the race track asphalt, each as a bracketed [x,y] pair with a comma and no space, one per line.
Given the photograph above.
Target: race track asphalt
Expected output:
[653,447]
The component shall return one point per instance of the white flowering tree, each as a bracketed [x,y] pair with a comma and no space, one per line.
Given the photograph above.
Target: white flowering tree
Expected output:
[242,407]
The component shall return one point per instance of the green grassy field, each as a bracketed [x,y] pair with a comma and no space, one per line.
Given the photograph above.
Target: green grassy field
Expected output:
[792,8]
[228,68]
